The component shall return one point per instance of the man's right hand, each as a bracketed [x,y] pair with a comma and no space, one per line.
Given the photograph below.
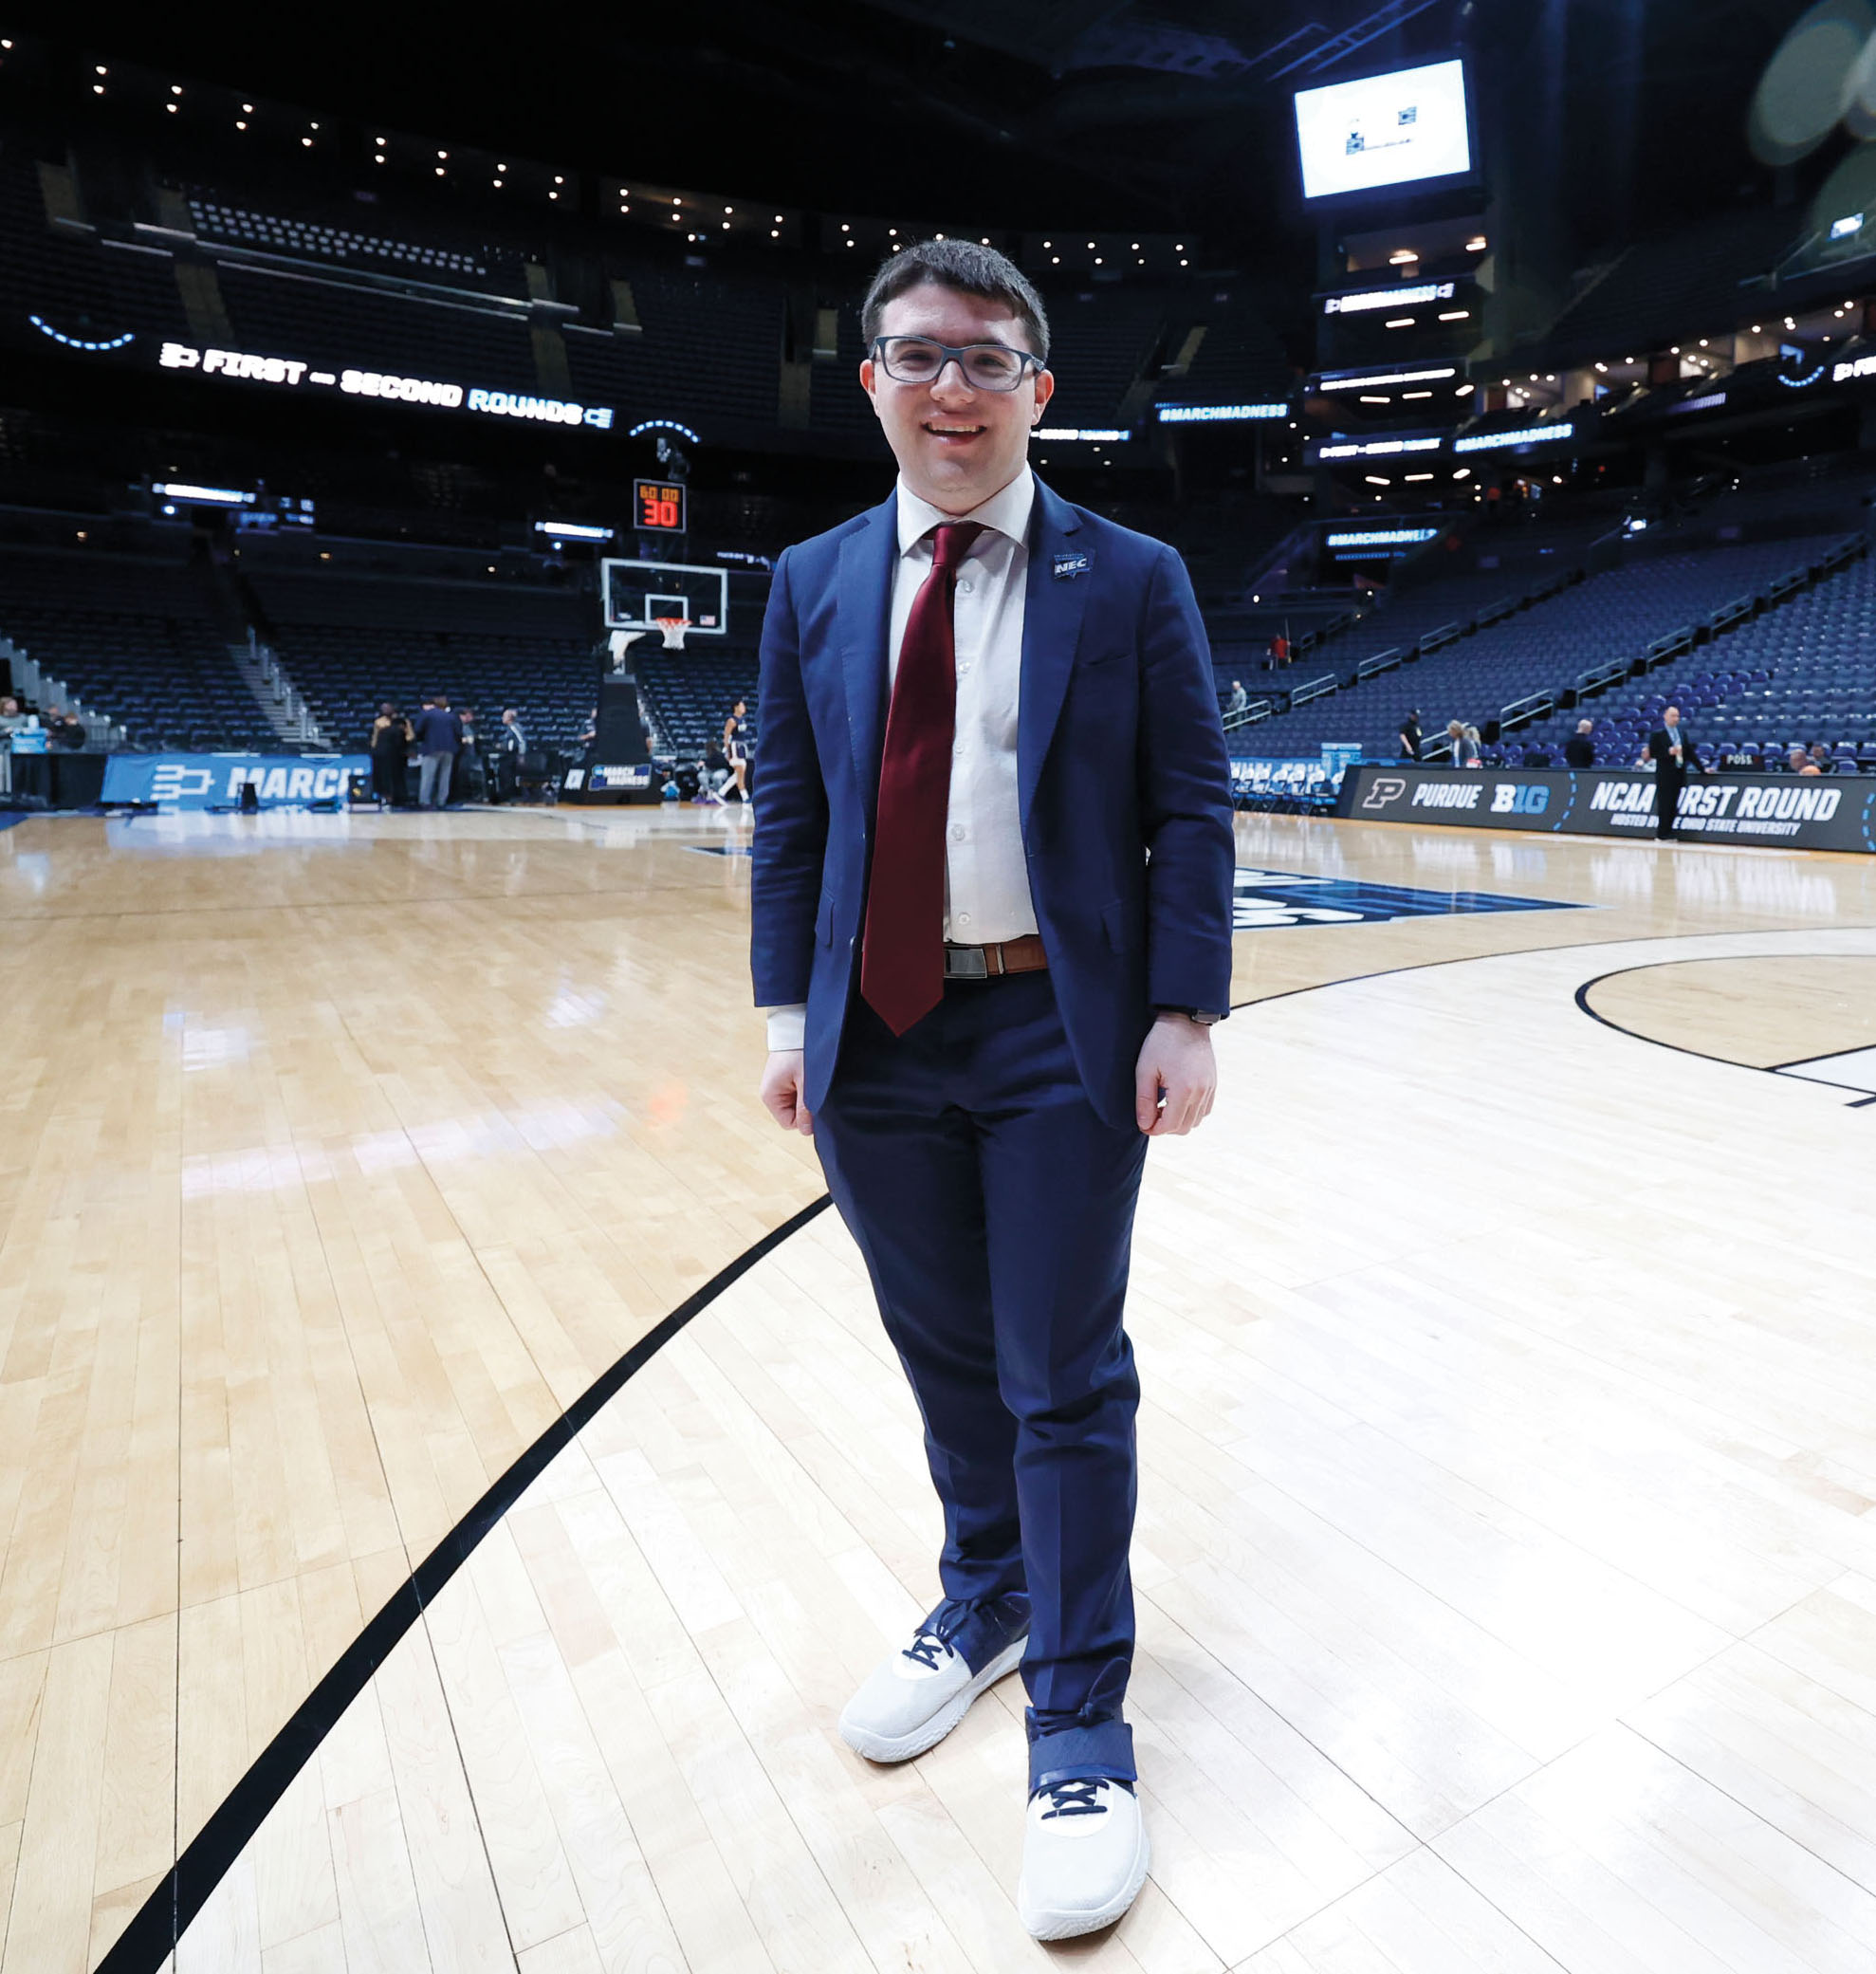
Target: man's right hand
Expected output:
[782,1091]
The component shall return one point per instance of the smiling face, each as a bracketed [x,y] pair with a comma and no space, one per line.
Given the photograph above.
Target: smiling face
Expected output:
[956,446]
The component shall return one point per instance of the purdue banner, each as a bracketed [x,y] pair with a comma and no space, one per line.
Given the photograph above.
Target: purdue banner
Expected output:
[1809,812]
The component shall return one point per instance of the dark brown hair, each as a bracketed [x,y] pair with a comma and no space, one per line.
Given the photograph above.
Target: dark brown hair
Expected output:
[965,267]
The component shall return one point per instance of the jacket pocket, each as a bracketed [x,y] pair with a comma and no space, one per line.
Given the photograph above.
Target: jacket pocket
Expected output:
[1114,923]
[824,920]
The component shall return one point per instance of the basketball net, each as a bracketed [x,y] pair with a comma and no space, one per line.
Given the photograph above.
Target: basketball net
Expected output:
[673,629]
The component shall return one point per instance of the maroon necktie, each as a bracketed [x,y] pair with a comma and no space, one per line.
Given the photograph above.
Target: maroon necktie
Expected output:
[902,962]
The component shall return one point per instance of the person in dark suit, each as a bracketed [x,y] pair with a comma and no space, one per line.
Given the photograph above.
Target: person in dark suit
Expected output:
[1579,750]
[992,922]
[438,733]
[1410,736]
[1671,749]
[390,738]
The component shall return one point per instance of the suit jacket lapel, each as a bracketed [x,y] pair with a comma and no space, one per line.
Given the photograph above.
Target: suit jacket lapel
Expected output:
[1052,614]
[865,610]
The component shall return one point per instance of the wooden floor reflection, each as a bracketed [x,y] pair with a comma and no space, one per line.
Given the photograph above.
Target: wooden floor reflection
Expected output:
[1503,1581]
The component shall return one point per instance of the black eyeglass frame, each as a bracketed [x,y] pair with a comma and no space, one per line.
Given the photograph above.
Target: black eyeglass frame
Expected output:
[956,353]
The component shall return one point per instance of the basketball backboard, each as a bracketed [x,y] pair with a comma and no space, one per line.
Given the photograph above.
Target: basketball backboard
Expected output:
[638,594]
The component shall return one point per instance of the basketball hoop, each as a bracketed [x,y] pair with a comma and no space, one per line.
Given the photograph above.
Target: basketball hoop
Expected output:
[673,629]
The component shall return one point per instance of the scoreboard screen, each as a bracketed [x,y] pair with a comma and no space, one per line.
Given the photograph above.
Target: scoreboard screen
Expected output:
[661,507]
[1394,129]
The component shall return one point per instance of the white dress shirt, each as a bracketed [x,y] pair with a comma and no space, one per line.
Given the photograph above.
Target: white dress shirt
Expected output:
[986,875]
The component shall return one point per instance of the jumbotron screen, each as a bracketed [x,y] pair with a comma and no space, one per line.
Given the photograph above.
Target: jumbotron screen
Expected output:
[1394,129]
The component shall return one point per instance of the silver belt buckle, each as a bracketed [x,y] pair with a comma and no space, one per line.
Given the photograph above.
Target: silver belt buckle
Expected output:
[966,963]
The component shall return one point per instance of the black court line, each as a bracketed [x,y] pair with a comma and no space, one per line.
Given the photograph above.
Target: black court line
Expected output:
[1828,1056]
[1515,953]
[165,1916]
[1732,1063]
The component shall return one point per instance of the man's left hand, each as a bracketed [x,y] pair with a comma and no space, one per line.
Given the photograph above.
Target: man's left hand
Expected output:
[1176,1077]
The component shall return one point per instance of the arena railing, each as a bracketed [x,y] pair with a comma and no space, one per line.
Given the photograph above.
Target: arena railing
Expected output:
[1520,713]
[41,690]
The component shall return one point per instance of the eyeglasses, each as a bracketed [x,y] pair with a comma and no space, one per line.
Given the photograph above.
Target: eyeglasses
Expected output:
[986,366]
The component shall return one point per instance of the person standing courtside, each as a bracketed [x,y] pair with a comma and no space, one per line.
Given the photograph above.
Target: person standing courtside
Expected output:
[389,744]
[1579,750]
[1671,749]
[510,748]
[438,735]
[991,920]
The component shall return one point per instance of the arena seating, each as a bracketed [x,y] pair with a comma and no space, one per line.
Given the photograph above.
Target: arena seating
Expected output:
[1239,359]
[688,693]
[349,641]
[352,327]
[1398,624]
[1797,674]
[1682,285]
[225,217]
[73,287]
[1100,343]
[135,640]
[707,346]
[1545,648]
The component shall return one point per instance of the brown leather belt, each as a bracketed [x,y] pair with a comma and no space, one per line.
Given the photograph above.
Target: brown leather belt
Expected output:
[1024,955]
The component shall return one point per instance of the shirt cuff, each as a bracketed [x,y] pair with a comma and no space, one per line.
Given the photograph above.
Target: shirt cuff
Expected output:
[788,1027]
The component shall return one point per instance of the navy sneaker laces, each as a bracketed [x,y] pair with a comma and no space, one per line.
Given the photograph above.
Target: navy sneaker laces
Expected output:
[928,1649]
[1075,1800]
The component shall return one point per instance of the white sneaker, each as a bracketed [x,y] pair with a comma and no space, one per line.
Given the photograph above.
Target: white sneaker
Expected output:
[913,1699]
[1084,1859]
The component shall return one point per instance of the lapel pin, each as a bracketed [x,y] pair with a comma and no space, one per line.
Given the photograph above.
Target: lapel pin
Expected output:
[1068,565]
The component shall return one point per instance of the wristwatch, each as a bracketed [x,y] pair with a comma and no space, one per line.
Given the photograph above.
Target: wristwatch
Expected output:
[1203,1016]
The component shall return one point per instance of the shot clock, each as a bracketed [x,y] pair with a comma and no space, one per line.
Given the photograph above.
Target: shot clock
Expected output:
[659,505]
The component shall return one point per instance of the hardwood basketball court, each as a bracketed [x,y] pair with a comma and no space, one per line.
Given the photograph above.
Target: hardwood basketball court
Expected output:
[1507,1593]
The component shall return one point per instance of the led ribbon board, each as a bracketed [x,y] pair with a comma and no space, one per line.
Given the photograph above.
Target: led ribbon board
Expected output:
[1216,414]
[1528,435]
[574,530]
[1365,299]
[1377,448]
[1379,537]
[291,374]
[1371,381]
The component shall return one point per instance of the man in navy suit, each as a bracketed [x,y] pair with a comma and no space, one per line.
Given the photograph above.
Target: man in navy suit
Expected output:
[992,925]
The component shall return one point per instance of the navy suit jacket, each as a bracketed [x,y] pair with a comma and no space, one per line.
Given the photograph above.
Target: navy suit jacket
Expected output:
[1124,788]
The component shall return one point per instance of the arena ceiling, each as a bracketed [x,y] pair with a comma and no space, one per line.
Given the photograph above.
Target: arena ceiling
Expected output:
[1008,113]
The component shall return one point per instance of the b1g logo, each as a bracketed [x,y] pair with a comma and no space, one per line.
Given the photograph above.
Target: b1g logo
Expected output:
[1386,788]
[1508,798]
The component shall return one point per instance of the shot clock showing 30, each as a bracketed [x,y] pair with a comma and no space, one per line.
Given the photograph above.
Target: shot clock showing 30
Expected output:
[661,507]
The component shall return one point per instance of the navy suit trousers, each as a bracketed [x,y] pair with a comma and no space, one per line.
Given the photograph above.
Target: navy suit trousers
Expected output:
[993,1210]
